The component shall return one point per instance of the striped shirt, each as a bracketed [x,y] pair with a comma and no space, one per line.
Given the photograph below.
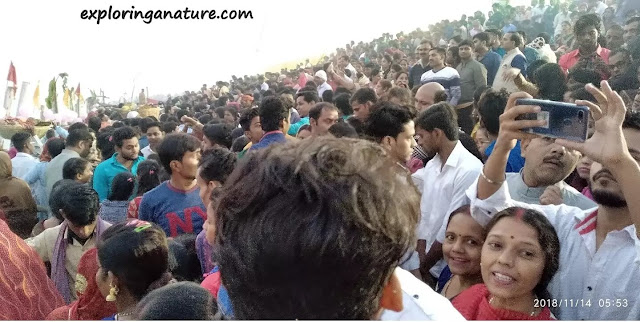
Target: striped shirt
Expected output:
[449,79]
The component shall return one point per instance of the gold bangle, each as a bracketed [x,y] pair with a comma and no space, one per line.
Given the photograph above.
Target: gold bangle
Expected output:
[491,181]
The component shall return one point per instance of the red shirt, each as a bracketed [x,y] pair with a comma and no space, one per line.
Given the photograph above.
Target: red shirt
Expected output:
[568,60]
[473,304]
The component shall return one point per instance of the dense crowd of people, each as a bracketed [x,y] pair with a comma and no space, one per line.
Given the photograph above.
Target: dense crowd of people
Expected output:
[394,180]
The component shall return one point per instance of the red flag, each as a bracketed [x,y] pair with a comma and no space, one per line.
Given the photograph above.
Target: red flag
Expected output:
[12,77]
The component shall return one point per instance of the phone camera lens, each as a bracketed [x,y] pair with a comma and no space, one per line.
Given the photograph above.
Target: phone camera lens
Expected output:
[580,115]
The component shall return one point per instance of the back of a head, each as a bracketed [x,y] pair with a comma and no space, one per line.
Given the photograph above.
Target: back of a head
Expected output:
[78,202]
[20,140]
[136,252]
[401,94]
[219,134]
[272,112]
[343,130]
[148,174]
[278,198]
[342,102]
[327,96]
[439,116]
[364,95]
[174,146]
[78,126]
[551,82]
[55,146]
[183,259]
[387,119]
[95,123]
[217,165]
[585,76]
[178,301]
[122,186]
[490,107]
[76,136]
[73,167]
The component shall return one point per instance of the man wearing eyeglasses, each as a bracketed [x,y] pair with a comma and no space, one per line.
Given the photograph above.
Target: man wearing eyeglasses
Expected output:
[623,76]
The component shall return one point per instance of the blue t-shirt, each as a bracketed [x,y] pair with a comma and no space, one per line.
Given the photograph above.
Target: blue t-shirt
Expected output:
[491,62]
[268,139]
[515,161]
[176,211]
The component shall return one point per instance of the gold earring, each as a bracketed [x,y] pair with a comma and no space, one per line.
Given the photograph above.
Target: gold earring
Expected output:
[113,291]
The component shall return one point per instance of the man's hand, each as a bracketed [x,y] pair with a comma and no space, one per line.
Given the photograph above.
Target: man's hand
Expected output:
[510,74]
[607,146]
[510,128]
[551,196]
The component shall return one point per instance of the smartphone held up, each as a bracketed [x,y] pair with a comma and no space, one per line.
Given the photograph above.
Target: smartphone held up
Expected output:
[563,120]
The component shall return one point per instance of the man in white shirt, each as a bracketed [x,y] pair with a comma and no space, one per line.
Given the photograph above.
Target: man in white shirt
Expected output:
[598,7]
[321,79]
[442,182]
[343,63]
[599,273]
[24,161]
[513,59]
[263,85]
[154,135]
[420,302]
[562,16]
[538,11]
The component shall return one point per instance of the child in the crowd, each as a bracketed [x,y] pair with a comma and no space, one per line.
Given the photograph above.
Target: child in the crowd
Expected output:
[461,250]
[114,209]
[520,256]
[77,169]
[148,178]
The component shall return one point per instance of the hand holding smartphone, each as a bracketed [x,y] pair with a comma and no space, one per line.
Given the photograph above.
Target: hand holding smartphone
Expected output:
[563,120]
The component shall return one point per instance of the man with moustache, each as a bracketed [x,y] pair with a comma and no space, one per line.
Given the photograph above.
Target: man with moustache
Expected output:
[541,180]
[422,66]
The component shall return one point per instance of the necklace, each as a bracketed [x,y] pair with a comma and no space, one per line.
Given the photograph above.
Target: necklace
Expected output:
[533,311]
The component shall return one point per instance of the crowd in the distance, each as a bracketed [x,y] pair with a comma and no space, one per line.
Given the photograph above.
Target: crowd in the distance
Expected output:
[393,181]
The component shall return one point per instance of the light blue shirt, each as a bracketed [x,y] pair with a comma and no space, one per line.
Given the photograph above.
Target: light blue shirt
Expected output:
[106,171]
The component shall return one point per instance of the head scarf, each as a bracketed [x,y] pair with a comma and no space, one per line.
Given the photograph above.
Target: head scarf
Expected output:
[16,200]
[5,165]
[27,292]
[537,43]
[91,304]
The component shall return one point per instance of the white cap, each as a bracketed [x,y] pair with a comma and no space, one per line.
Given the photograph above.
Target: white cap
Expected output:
[322,74]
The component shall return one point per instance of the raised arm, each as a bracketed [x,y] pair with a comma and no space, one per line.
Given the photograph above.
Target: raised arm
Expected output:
[493,174]
[608,146]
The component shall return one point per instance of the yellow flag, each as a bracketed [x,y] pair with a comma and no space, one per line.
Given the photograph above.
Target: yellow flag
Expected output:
[66,97]
[36,96]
